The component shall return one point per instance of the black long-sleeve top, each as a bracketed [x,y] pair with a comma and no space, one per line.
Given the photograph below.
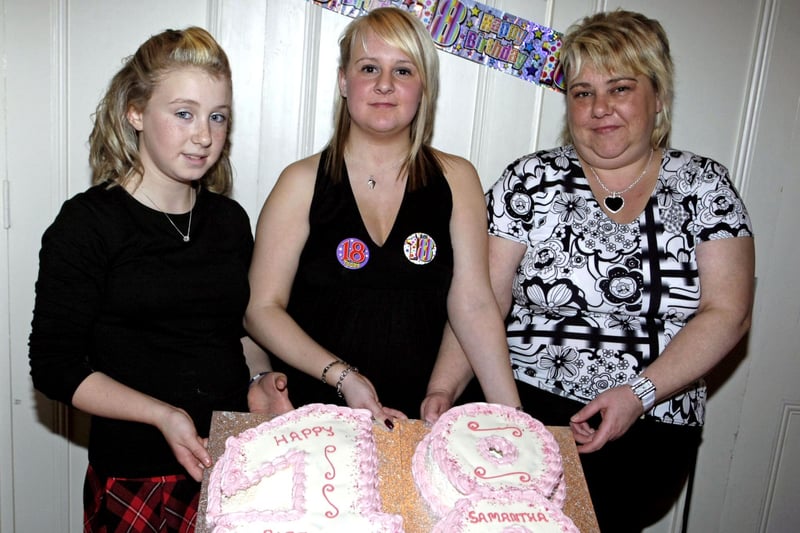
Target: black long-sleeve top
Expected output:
[120,292]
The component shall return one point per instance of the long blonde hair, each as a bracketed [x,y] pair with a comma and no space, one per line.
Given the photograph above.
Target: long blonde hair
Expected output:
[623,41]
[405,32]
[113,143]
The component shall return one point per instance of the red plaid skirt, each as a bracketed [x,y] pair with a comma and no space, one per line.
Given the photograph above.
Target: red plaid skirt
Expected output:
[158,504]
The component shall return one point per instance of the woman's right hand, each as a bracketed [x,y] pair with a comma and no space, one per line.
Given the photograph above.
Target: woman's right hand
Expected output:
[189,448]
[359,393]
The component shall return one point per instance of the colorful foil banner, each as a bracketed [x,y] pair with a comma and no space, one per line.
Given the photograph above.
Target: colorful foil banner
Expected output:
[480,33]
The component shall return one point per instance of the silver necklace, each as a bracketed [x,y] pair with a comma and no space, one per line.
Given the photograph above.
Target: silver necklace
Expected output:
[614,201]
[188,228]
[371,182]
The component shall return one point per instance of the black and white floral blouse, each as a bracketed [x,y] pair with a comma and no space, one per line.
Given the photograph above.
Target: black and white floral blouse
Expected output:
[594,301]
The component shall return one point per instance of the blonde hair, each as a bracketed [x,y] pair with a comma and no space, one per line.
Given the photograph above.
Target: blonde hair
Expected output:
[405,32]
[113,143]
[619,42]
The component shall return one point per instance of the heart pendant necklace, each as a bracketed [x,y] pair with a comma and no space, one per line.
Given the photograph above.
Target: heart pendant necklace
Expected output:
[614,201]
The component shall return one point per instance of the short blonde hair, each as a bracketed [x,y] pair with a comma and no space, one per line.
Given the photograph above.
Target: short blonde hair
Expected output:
[619,42]
[114,143]
[402,30]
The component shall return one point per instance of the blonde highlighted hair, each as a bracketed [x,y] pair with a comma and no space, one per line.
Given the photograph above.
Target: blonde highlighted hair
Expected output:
[113,143]
[402,30]
[622,42]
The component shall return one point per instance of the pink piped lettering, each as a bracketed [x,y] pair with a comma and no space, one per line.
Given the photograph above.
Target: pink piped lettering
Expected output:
[475,517]
[305,434]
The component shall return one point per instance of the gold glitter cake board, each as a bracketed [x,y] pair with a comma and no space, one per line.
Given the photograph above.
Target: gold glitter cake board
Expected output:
[398,492]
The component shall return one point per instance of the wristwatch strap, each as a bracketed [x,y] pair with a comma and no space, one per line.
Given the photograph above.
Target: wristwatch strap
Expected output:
[644,389]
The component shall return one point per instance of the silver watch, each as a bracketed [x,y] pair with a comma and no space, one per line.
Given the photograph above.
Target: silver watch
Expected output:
[644,389]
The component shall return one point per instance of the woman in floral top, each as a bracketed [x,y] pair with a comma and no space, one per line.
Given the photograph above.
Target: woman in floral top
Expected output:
[626,268]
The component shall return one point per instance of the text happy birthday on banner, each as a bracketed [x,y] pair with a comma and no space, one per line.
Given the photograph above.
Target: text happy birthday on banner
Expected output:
[480,33]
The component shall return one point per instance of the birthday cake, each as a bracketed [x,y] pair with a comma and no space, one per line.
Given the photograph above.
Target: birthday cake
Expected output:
[487,450]
[313,469]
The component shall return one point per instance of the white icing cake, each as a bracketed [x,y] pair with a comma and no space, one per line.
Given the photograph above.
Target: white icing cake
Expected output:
[486,450]
[312,469]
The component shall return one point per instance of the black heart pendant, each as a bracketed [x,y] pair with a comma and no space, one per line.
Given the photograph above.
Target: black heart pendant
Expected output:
[614,203]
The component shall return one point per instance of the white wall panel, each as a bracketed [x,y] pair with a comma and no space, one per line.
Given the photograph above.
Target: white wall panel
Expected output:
[32,156]
[780,510]
[242,28]
[6,432]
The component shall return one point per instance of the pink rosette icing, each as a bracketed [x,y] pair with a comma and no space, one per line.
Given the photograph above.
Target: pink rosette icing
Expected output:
[514,512]
[482,448]
[311,469]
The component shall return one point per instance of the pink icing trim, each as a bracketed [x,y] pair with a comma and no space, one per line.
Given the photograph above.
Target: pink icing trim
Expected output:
[330,488]
[498,450]
[480,472]
[515,430]
[329,449]
[559,494]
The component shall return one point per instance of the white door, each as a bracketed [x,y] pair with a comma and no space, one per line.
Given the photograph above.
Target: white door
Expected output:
[763,488]
[736,100]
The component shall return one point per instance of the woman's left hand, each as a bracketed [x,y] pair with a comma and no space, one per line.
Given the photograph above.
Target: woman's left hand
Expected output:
[435,404]
[618,408]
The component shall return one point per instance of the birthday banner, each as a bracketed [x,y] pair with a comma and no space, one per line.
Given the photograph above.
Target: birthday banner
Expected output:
[480,33]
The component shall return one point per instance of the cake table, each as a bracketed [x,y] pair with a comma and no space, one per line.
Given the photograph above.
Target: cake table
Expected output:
[398,492]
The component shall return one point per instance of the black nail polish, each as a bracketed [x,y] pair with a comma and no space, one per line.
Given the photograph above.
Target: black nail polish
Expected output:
[389,424]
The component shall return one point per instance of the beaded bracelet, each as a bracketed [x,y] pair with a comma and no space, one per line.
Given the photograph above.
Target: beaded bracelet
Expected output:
[328,367]
[341,379]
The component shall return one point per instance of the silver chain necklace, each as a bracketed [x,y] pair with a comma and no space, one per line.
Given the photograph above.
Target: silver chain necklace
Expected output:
[188,228]
[614,201]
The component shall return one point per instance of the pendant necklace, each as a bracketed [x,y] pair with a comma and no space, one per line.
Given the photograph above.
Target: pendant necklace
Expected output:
[188,228]
[384,171]
[614,201]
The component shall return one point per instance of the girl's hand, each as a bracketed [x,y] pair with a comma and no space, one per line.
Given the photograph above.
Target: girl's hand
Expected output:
[189,448]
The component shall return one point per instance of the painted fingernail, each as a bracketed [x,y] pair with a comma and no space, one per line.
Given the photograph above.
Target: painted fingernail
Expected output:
[389,424]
